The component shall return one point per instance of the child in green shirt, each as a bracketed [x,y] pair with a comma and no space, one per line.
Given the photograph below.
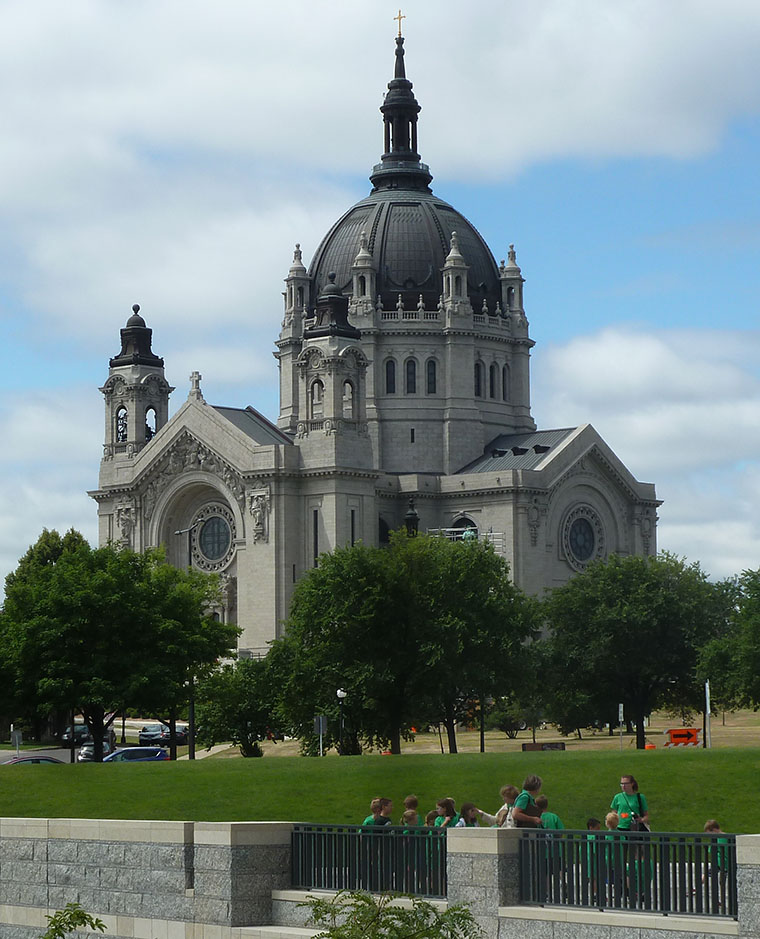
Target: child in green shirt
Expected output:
[548,819]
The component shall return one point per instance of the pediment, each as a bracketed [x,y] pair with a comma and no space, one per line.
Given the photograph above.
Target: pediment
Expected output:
[185,455]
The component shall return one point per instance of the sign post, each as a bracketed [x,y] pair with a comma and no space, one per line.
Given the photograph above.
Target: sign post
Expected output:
[320,727]
[620,724]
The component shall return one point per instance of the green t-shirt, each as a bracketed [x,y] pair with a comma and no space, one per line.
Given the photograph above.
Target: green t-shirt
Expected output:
[440,819]
[524,800]
[418,822]
[626,806]
[550,820]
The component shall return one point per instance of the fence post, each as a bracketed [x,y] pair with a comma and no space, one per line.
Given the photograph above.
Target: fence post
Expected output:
[748,884]
[237,865]
[482,871]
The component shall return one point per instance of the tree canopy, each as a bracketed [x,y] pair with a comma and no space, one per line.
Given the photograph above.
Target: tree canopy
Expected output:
[98,630]
[629,629]
[237,703]
[411,632]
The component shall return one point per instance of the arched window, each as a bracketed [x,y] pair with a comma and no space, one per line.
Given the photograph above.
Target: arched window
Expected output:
[478,379]
[505,383]
[317,399]
[348,400]
[431,376]
[465,529]
[121,425]
[510,297]
[362,285]
[390,377]
[150,423]
[300,296]
[411,377]
[458,286]
[493,381]
[384,532]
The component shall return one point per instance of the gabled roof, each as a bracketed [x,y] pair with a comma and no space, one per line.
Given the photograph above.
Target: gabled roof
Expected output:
[518,451]
[254,425]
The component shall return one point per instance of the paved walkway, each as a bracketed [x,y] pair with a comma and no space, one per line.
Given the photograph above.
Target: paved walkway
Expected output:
[202,754]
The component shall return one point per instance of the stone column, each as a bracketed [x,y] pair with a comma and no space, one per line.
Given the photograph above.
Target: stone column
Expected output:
[482,871]
[748,884]
[237,866]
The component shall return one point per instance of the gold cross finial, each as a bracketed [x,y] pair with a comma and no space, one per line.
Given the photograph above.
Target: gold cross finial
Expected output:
[399,18]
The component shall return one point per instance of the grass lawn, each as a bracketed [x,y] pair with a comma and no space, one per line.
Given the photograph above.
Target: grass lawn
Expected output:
[684,787]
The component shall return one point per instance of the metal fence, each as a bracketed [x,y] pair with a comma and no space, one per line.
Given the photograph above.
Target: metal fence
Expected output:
[661,872]
[376,859]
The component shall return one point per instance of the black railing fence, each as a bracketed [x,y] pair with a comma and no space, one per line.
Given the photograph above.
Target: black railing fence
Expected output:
[376,859]
[660,872]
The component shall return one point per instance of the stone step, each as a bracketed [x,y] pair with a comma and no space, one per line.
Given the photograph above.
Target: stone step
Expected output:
[277,932]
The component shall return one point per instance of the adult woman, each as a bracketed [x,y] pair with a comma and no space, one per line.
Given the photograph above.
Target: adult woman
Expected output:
[525,813]
[631,806]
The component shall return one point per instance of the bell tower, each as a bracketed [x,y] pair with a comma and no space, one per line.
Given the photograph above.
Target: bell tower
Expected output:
[136,393]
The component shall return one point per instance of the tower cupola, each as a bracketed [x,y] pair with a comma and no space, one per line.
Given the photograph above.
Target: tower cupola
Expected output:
[331,315]
[136,392]
[400,166]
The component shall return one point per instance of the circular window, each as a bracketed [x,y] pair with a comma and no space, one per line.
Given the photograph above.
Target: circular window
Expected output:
[213,537]
[583,537]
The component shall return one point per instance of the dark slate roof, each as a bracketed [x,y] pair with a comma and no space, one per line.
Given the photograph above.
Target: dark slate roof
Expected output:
[408,235]
[254,425]
[518,451]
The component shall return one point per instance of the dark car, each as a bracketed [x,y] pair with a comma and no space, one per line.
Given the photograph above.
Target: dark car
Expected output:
[182,732]
[32,759]
[137,755]
[151,734]
[87,752]
[81,735]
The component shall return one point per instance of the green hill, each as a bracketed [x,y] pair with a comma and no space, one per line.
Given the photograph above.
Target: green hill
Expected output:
[683,787]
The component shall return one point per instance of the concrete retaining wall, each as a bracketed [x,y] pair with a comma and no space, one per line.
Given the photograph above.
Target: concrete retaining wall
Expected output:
[231,880]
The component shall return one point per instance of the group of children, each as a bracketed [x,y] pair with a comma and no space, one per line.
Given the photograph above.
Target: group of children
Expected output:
[445,815]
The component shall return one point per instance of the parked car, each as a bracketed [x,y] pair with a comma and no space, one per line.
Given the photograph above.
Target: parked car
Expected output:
[87,752]
[137,755]
[151,734]
[81,735]
[32,759]
[182,732]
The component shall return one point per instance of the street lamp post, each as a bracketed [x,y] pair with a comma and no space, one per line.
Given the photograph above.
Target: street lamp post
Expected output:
[191,703]
[412,519]
[341,697]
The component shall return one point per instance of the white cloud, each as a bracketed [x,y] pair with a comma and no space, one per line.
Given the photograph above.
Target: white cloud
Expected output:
[51,449]
[681,410]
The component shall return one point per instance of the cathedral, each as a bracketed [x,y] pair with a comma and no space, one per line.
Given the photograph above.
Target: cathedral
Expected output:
[404,363]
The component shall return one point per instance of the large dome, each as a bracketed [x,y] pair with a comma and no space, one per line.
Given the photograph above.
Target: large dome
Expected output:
[408,232]
[408,228]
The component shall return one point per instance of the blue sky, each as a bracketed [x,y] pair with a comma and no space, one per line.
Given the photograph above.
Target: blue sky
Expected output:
[170,154]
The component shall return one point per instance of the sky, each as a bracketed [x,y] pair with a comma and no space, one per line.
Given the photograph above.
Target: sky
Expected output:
[171,153]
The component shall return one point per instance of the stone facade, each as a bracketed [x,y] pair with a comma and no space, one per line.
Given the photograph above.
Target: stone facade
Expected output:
[404,359]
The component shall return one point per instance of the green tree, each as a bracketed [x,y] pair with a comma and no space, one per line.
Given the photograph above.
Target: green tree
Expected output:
[237,703]
[97,630]
[357,915]
[630,629]
[731,661]
[420,627]
[188,641]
